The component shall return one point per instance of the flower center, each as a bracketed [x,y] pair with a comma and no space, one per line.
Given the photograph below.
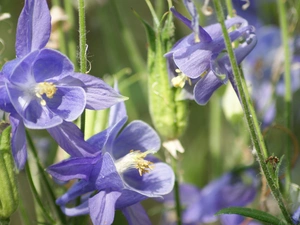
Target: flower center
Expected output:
[47,88]
[135,159]
[180,79]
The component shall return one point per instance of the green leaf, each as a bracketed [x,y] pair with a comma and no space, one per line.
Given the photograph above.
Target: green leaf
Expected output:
[253,213]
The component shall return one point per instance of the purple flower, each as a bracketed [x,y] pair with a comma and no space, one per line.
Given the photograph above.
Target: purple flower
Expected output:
[230,190]
[39,88]
[198,59]
[122,174]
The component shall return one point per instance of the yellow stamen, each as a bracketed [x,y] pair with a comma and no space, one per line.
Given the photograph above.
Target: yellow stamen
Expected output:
[179,81]
[47,88]
[141,164]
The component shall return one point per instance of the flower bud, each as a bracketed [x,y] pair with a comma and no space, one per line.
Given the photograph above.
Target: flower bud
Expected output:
[9,198]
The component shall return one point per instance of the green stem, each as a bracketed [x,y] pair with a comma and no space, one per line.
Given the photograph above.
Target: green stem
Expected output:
[159,8]
[288,89]
[59,213]
[214,134]
[252,122]
[230,8]
[82,49]
[36,194]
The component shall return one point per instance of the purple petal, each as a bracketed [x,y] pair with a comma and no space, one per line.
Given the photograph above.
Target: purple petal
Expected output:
[206,87]
[82,209]
[231,219]
[136,215]
[109,178]
[193,60]
[117,113]
[67,102]
[5,103]
[99,95]
[102,207]
[99,140]
[70,138]
[9,67]
[79,188]
[51,64]
[34,27]
[158,182]
[18,141]
[136,136]
[203,35]
[73,168]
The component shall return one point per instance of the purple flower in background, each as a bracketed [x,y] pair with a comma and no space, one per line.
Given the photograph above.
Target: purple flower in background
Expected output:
[39,88]
[120,176]
[263,69]
[231,189]
[198,59]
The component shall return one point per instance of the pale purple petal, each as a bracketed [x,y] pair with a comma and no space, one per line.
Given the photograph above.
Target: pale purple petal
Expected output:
[34,27]
[136,215]
[102,207]
[136,136]
[5,103]
[99,140]
[73,168]
[70,138]
[9,67]
[51,65]
[82,209]
[158,182]
[18,141]
[109,177]
[206,87]
[99,95]
[67,102]
[117,113]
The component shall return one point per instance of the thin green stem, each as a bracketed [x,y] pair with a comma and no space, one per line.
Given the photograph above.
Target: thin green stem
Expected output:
[59,213]
[230,8]
[288,89]
[36,194]
[82,49]
[252,122]
[214,134]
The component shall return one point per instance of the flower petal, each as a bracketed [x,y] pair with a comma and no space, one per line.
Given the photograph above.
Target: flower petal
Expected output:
[82,209]
[136,136]
[206,87]
[34,27]
[99,95]
[158,182]
[117,113]
[18,141]
[109,178]
[102,207]
[51,64]
[73,168]
[70,138]
[136,215]
[5,103]
[67,102]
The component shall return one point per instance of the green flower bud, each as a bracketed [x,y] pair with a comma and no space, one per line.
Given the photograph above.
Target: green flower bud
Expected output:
[169,115]
[9,198]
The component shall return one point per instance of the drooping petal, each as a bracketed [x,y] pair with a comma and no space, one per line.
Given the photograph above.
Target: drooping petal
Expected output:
[18,141]
[34,27]
[136,136]
[79,188]
[82,209]
[136,215]
[156,183]
[102,207]
[67,102]
[73,168]
[206,87]
[70,138]
[109,177]
[99,95]
[51,65]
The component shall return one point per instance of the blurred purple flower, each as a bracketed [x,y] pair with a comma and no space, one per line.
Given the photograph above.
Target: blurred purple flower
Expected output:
[39,88]
[263,70]
[231,189]
[121,174]
[198,59]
